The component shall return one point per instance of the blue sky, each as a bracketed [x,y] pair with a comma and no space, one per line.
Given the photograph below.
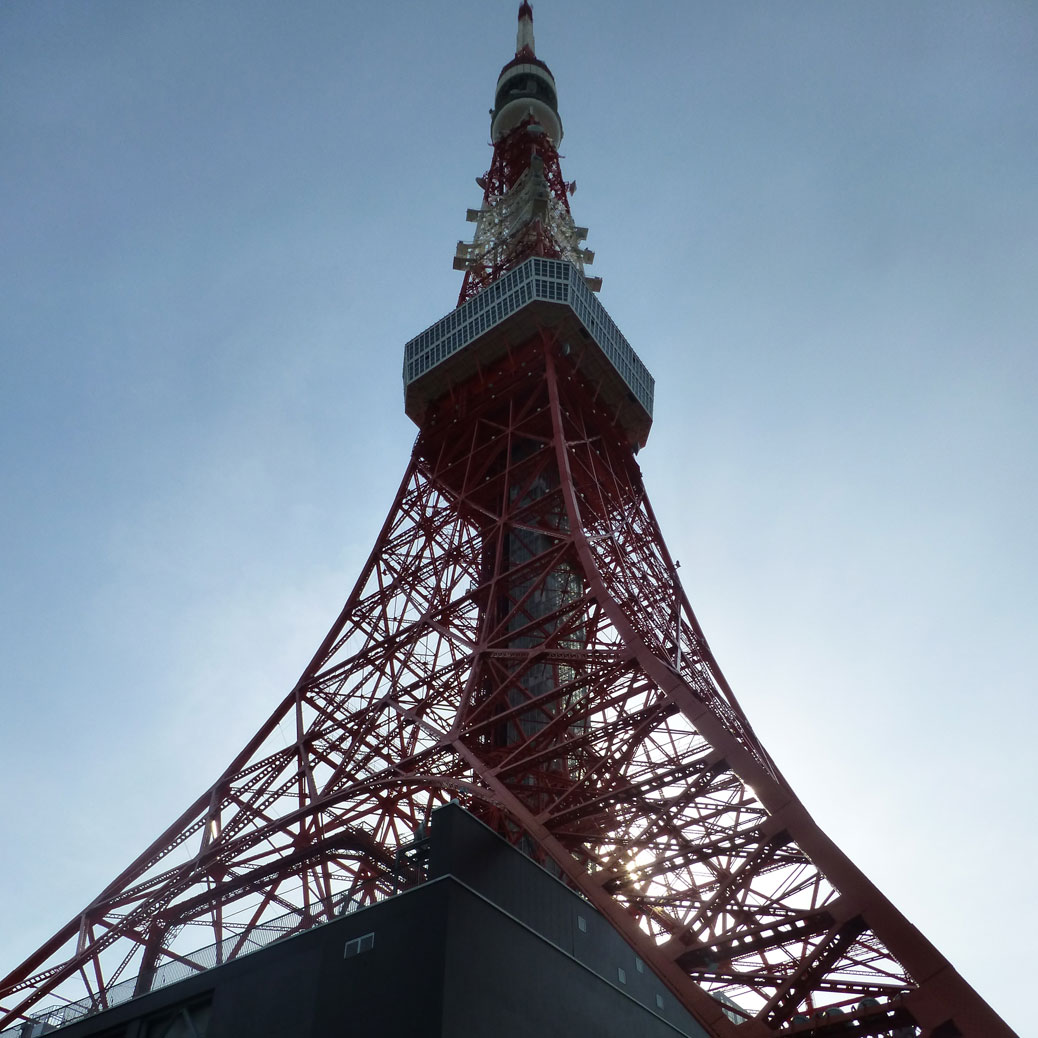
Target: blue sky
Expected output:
[818,225]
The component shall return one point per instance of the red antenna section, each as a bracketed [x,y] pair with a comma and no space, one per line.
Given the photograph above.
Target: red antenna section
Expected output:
[525,210]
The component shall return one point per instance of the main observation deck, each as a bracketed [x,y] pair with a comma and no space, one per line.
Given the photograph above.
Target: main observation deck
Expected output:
[539,294]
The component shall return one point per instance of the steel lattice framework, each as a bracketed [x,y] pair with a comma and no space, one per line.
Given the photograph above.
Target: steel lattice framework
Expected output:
[525,212]
[518,640]
[601,733]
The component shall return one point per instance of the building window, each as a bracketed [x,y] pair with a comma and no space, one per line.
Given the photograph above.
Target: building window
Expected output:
[621,974]
[581,924]
[183,1022]
[659,1001]
[639,965]
[359,945]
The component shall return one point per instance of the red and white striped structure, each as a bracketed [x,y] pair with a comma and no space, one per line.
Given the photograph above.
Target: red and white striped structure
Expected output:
[519,640]
[525,210]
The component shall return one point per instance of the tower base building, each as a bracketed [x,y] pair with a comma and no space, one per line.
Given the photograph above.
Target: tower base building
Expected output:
[485,943]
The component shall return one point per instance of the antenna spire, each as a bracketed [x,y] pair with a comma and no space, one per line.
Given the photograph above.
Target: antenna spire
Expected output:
[524,37]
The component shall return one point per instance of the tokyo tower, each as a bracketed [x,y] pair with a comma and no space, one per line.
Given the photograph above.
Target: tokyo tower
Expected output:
[519,641]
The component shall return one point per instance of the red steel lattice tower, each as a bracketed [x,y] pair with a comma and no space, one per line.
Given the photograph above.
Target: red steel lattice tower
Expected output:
[518,640]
